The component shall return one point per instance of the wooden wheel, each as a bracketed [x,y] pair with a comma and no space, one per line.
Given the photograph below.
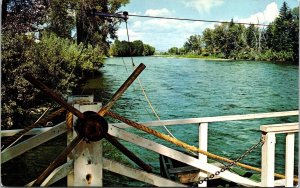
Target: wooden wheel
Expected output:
[91,126]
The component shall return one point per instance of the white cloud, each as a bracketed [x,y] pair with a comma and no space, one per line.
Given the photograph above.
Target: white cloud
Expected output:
[159,12]
[160,33]
[203,6]
[268,15]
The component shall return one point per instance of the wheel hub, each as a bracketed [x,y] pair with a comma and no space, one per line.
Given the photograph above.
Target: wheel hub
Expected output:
[92,127]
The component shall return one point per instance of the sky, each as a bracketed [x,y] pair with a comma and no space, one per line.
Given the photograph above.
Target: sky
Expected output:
[164,34]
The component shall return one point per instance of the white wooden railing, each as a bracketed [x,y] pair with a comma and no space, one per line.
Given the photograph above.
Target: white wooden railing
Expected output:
[268,153]
[117,130]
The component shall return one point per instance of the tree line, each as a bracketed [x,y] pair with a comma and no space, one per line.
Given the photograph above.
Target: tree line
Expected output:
[277,42]
[135,48]
[58,42]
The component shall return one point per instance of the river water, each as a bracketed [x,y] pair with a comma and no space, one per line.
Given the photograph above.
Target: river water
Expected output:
[188,88]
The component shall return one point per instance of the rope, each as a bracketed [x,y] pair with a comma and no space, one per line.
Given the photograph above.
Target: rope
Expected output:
[184,145]
[43,121]
[142,88]
[69,115]
[69,120]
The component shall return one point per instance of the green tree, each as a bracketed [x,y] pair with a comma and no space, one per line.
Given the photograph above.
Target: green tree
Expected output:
[138,48]
[23,16]
[61,20]
[173,50]
[148,50]
[209,41]
[193,44]
[93,29]
[252,34]
[283,34]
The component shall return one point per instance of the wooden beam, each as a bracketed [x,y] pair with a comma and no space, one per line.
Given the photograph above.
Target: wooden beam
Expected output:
[213,119]
[268,160]
[33,142]
[203,141]
[138,174]
[161,149]
[281,128]
[289,159]
[87,157]
[33,131]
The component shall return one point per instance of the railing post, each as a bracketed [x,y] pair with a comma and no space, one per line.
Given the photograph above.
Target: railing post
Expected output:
[268,160]
[203,139]
[289,159]
[88,161]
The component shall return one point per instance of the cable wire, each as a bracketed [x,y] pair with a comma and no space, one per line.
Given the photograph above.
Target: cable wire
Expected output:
[195,20]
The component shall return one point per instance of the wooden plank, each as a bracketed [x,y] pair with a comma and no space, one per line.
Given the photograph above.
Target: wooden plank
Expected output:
[33,142]
[78,98]
[138,174]
[203,141]
[213,119]
[280,128]
[161,149]
[87,157]
[33,131]
[268,160]
[59,173]
[289,159]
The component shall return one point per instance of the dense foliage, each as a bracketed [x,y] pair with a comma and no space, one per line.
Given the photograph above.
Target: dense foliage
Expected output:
[38,38]
[278,42]
[135,48]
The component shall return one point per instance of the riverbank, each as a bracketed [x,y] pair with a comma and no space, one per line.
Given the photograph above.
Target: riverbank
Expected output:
[190,56]
[215,58]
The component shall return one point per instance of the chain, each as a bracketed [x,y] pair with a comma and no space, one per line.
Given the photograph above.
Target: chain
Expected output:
[226,167]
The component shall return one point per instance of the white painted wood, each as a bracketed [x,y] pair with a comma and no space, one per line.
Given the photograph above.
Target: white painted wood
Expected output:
[59,173]
[33,142]
[213,119]
[74,98]
[281,128]
[280,182]
[138,174]
[203,140]
[70,136]
[268,160]
[87,157]
[289,159]
[161,149]
[34,131]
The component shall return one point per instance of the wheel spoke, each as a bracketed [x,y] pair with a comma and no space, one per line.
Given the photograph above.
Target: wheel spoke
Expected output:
[128,153]
[53,95]
[58,161]
[122,89]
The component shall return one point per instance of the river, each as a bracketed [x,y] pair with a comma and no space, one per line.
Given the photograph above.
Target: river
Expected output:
[188,88]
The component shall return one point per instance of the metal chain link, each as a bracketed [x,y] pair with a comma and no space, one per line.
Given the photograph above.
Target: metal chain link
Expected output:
[226,167]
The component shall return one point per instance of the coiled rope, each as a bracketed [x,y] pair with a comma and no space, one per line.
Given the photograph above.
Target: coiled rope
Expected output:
[185,145]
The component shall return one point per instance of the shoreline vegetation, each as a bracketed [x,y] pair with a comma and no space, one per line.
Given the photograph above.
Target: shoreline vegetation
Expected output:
[214,58]
[278,42]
